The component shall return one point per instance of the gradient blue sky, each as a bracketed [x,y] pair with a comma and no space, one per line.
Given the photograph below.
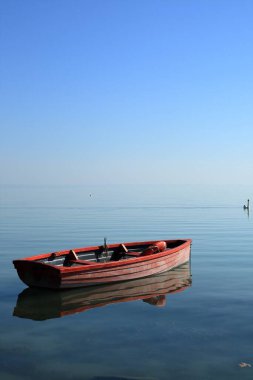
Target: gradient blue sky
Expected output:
[126,91]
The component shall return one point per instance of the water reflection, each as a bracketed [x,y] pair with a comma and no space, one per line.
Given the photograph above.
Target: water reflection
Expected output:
[41,304]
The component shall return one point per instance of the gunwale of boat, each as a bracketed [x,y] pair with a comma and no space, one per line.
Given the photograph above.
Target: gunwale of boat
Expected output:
[182,243]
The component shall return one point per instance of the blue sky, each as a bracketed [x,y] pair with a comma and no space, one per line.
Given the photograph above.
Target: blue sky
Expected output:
[122,92]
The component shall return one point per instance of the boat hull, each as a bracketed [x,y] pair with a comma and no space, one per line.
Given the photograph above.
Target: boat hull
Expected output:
[37,274]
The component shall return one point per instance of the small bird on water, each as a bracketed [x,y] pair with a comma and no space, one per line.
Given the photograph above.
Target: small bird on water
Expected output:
[246,207]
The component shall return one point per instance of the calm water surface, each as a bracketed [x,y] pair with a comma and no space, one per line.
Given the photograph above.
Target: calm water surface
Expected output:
[202,332]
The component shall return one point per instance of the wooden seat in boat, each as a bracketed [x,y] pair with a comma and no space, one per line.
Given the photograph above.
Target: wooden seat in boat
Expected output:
[82,262]
[72,258]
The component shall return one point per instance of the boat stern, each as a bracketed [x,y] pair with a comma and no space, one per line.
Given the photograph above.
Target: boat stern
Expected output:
[35,274]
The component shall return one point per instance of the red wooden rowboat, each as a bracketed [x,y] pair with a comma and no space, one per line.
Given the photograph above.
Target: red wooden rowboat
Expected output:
[40,304]
[102,264]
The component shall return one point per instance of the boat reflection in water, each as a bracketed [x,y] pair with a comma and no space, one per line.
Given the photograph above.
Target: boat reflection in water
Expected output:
[41,304]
